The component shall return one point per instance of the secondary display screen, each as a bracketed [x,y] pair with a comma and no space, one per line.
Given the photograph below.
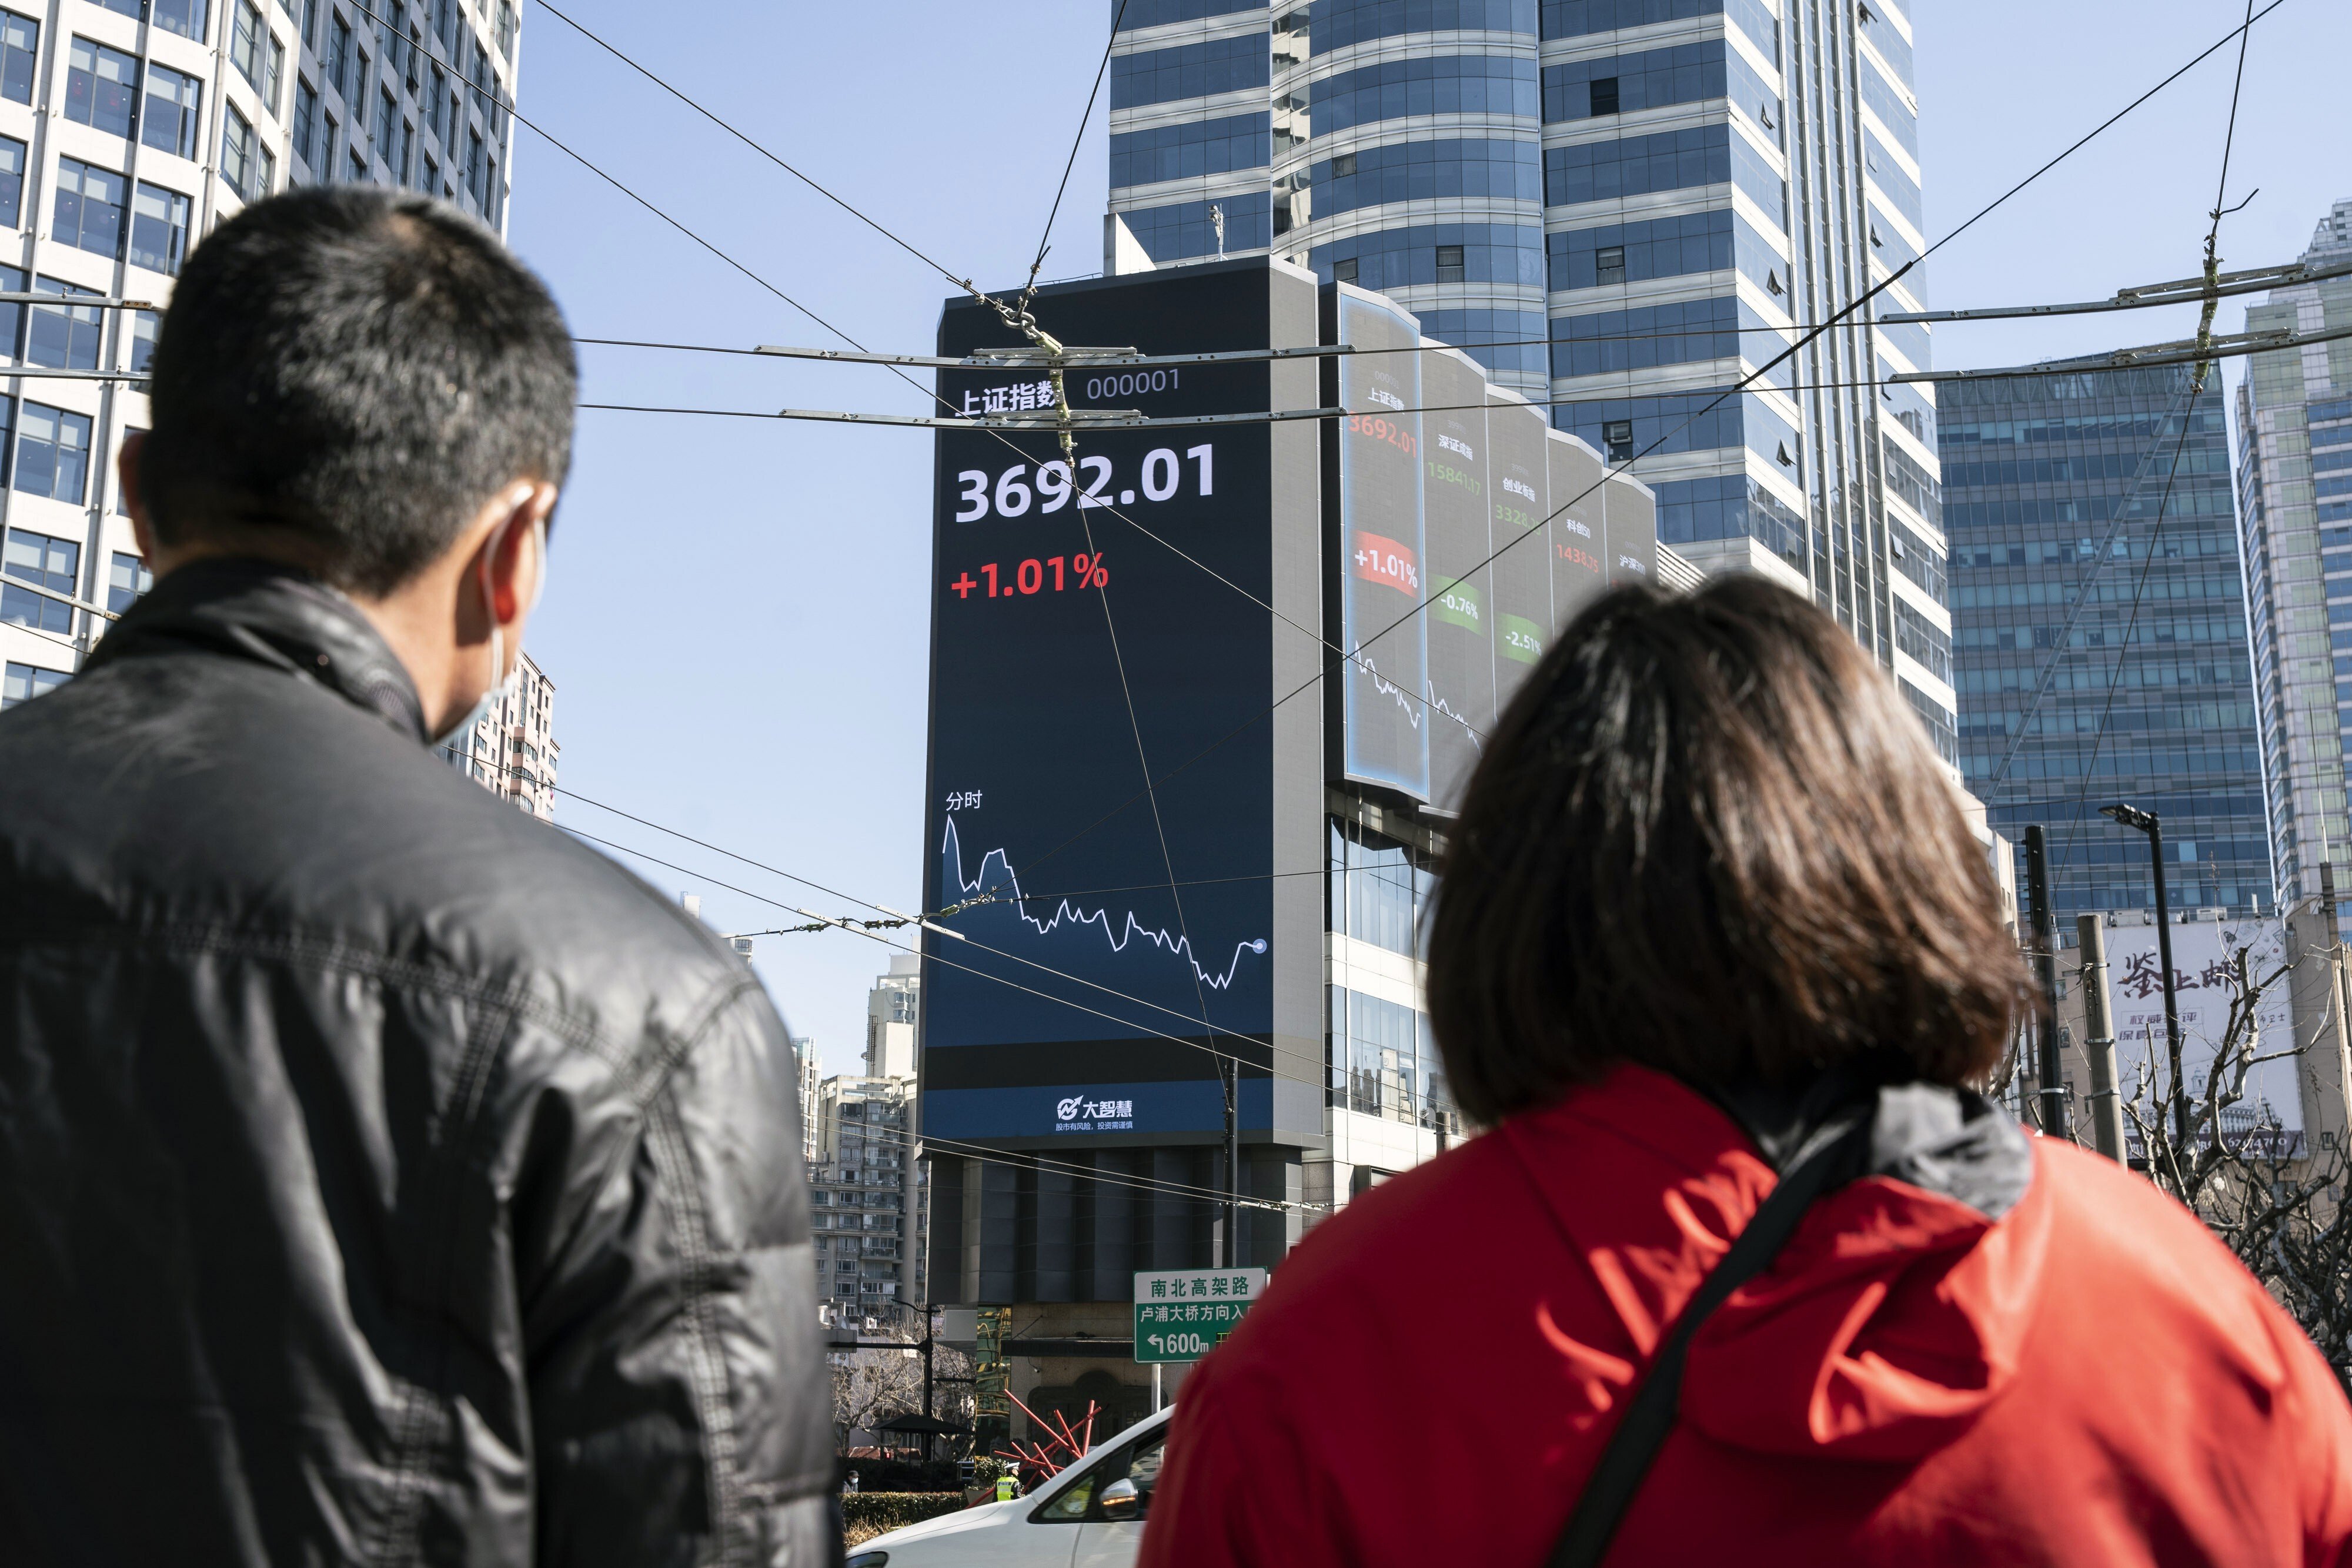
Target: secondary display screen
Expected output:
[1633,530]
[1578,537]
[1519,483]
[1382,547]
[1058,597]
[1461,585]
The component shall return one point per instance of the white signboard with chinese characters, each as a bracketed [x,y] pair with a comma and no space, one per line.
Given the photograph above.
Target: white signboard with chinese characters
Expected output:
[2203,952]
[1180,1315]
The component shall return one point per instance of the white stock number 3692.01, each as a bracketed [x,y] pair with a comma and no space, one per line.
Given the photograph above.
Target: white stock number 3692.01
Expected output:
[1011,494]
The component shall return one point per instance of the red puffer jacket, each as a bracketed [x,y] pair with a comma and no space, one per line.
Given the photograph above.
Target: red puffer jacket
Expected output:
[2089,1379]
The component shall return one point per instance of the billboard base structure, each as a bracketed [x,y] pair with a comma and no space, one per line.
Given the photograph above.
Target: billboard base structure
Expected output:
[1170,831]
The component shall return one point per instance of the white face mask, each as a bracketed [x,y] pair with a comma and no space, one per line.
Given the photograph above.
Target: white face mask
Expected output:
[503,678]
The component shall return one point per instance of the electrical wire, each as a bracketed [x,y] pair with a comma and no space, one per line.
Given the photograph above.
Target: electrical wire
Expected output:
[894,919]
[1270,1050]
[2123,653]
[838,201]
[990,1154]
[1086,115]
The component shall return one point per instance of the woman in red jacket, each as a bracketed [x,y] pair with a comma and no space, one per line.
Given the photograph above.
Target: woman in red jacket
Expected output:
[1713,926]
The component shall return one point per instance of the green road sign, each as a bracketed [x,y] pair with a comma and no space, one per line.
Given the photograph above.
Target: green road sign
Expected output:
[1180,1315]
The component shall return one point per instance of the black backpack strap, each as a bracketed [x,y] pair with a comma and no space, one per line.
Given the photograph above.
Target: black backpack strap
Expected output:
[1831,1154]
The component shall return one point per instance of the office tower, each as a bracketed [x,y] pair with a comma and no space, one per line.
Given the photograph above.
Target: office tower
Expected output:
[128,129]
[2072,526]
[2294,483]
[1649,195]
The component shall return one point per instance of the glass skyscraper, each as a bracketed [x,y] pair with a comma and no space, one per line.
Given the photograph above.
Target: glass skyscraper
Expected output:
[2053,486]
[1621,207]
[2294,479]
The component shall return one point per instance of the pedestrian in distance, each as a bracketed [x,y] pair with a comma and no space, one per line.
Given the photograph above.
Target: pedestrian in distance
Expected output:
[1743,1270]
[384,1177]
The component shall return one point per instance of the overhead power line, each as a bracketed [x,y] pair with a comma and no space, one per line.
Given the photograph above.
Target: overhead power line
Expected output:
[2188,291]
[894,918]
[1074,1005]
[2197,350]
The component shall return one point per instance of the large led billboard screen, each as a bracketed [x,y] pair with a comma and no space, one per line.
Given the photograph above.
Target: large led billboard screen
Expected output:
[1088,626]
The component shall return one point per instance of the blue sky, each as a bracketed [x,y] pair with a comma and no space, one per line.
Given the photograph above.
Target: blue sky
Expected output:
[737,619]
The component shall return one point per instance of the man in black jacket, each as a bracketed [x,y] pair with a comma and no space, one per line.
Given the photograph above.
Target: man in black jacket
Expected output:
[385,1177]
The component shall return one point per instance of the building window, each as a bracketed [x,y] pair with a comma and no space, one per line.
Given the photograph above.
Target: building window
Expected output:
[359,174]
[326,163]
[185,18]
[174,103]
[159,228]
[403,159]
[53,453]
[20,50]
[473,166]
[126,579]
[431,176]
[1604,94]
[432,103]
[26,682]
[102,86]
[144,324]
[506,29]
[338,60]
[90,208]
[249,31]
[1617,437]
[1449,264]
[387,129]
[1345,164]
[306,123]
[271,75]
[122,502]
[245,162]
[134,9]
[64,337]
[12,180]
[1609,264]
[11,317]
[45,562]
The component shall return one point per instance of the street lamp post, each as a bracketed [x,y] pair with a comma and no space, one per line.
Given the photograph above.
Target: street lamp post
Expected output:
[2149,823]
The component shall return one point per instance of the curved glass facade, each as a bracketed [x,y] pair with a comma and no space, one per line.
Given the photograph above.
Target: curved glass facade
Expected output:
[1604,202]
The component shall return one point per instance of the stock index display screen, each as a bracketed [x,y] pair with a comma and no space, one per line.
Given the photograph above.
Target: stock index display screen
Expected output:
[1074,647]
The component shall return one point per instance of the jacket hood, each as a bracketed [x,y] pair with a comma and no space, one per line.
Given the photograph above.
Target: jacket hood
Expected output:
[1894,1317]
[272,615]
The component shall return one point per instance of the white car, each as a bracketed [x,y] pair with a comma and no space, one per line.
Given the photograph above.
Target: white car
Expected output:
[1089,1516]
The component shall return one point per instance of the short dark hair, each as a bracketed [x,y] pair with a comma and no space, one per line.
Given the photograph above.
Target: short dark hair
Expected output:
[345,377]
[1707,836]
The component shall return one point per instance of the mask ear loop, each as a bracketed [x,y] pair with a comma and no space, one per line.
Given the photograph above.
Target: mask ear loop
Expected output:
[501,678]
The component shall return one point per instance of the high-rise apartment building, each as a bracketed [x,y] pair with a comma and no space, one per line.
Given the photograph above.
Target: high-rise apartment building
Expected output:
[509,748]
[128,129]
[869,1200]
[1619,206]
[2100,648]
[2295,487]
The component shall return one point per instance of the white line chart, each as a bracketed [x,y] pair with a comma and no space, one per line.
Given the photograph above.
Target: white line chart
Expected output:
[996,873]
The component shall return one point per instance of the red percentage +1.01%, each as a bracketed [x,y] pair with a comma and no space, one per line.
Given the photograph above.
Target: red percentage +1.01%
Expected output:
[1079,571]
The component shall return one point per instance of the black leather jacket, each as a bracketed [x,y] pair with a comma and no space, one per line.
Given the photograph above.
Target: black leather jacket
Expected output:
[385,1177]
